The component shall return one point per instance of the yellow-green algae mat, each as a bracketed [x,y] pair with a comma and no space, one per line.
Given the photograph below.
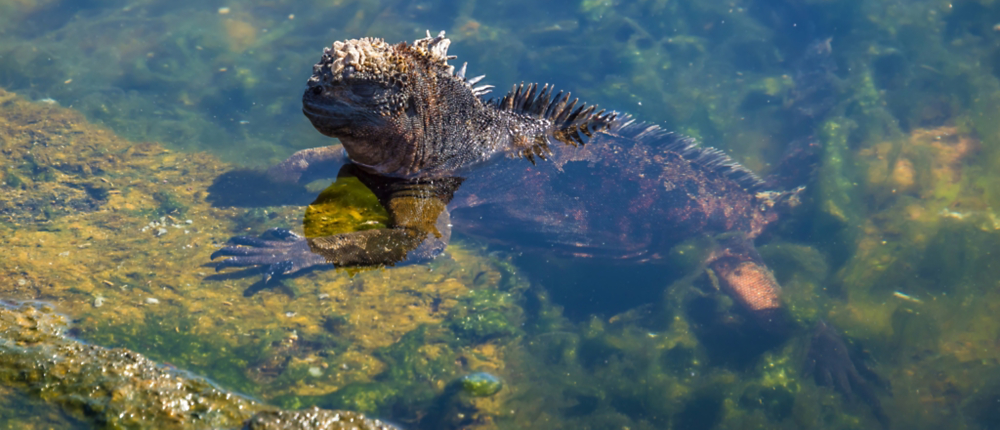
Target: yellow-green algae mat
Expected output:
[116,235]
[123,389]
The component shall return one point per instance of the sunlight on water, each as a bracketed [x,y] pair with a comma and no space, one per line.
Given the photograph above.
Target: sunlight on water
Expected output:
[584,289]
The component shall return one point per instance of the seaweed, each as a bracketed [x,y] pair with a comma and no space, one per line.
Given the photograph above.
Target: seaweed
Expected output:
[894,241]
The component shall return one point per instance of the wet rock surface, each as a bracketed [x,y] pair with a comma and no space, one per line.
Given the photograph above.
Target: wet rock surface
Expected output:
[118,388]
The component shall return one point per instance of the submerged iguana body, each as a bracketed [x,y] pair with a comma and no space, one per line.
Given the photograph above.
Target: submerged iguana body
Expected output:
[533,164]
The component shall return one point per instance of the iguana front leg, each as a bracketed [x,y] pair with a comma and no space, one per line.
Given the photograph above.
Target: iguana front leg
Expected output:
[419,229]
[309,164]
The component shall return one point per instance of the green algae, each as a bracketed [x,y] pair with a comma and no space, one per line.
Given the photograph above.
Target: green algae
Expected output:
[484,315]
[891,210]
[372,397]
[71,369]
[802,272]
[117,388]
[13,180]
[24,412]
[168,204]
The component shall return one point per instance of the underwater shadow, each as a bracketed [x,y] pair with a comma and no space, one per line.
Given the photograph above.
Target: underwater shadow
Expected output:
[731,338]
[585,287]
[246,188]
[256,287]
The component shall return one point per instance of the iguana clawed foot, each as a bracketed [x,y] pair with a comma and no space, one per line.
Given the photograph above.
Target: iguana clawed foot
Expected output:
[830,362]
[279,251]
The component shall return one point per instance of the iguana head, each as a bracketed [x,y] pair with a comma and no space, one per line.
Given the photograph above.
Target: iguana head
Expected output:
[402,110]
[384,101]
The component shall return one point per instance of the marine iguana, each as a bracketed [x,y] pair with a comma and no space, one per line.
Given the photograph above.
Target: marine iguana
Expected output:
[566,176]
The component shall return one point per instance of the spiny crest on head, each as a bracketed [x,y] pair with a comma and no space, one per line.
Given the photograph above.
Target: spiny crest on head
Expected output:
[436,49]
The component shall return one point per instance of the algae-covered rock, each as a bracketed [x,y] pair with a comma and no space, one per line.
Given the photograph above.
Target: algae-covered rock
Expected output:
[481,384]
[118,388]
[314,418]
[483,316]
[114,387]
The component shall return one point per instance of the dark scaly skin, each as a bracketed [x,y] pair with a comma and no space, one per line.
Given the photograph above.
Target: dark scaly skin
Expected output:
[743,275]
[419,135]
[830,362]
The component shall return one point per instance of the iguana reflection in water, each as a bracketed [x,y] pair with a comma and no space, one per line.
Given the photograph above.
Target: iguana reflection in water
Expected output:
[534,165]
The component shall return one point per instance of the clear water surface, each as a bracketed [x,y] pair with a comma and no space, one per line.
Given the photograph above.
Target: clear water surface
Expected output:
[121,123]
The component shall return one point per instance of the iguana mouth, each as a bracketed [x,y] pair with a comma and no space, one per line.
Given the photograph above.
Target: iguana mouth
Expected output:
[330,116]
[316,110]
[325,108]
[324,117]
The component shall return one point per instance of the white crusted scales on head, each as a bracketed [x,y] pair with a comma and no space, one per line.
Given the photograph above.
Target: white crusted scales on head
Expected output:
[372,55]
[357,53]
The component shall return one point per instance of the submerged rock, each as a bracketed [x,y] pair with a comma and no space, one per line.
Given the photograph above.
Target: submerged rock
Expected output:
[118,388]
[314,418]
[481,384]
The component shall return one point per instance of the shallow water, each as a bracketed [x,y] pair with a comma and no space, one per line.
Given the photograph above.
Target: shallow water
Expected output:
[127,129]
